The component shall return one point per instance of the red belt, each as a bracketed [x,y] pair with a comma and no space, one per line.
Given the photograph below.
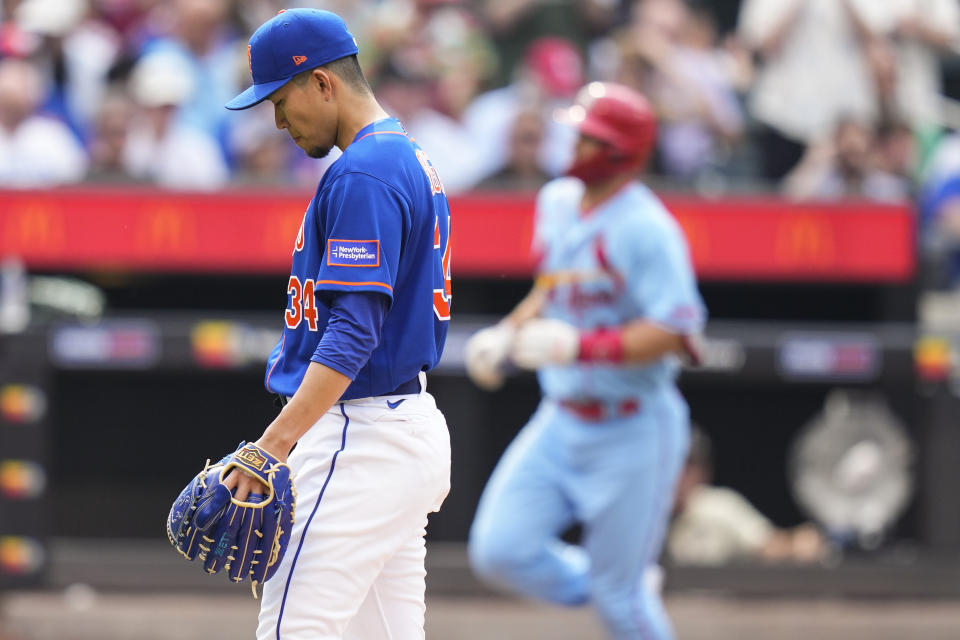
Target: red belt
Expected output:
[599,410]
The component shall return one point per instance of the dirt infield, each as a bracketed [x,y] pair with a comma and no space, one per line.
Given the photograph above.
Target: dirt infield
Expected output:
[79,613]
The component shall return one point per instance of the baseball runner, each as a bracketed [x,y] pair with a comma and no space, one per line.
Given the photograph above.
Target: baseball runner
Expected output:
[610,312]
[367,313]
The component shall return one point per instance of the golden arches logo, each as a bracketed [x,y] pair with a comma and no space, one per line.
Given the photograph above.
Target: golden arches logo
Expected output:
[805,240]
[167,229]
[35,227]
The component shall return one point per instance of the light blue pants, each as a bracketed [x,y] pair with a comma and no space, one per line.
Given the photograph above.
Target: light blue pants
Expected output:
[617,479]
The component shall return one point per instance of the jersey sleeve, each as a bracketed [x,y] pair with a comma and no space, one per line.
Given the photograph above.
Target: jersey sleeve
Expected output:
[352,332]
[661,278]
[363,227]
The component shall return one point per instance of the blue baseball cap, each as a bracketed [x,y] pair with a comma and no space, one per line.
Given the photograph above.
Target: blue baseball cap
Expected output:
[292,41]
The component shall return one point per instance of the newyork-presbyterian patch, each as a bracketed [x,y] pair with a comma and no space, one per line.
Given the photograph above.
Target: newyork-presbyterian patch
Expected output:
[353,253]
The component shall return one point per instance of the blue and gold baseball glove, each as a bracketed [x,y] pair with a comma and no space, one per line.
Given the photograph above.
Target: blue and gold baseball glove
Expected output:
[247,539]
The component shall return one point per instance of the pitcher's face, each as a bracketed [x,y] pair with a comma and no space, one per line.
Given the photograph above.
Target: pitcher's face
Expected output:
[308,112]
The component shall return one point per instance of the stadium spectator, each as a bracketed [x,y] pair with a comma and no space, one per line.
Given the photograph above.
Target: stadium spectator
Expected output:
[408,98]
[197,32]
[813,69]
[433,57]
[715,525]
[424,37]
[159,147]
[465,58]
[74,52]
[846,165]
[129,19]
[522,171]
[676,60]
[552,72]
[818,60]
[108,140]
[899,151]
[914,35]
[516,24]
[35,150]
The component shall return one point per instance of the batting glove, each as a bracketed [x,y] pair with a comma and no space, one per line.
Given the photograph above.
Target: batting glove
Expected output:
[486,353]
[544,341]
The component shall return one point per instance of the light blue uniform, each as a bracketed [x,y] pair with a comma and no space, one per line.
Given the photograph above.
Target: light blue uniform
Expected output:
[626,260]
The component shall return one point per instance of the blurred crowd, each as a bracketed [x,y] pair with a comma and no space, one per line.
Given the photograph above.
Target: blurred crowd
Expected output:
[814,98]
[825,98]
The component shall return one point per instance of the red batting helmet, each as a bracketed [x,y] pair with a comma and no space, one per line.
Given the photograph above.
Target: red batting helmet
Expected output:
[619,117]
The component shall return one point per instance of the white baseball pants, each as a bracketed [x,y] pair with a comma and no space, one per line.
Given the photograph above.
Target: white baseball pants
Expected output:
[367,474]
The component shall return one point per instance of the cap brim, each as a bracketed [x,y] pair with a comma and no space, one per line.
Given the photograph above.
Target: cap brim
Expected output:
[255,94]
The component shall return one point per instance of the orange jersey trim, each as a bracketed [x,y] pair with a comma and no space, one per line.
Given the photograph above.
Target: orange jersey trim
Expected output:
[356,284]
[377,133]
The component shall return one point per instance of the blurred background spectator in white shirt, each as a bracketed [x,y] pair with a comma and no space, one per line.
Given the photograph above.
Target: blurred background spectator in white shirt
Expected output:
[35,150]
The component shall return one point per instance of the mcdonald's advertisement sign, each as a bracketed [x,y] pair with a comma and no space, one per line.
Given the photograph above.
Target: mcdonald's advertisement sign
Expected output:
[253,231]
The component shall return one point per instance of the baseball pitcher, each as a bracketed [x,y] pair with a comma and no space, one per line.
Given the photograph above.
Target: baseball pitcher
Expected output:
[368,306]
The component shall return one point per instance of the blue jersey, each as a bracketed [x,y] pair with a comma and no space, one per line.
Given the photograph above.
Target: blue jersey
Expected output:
[379,222]
[624,261]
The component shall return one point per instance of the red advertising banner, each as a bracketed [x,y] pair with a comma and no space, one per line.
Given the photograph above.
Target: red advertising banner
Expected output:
[253,231]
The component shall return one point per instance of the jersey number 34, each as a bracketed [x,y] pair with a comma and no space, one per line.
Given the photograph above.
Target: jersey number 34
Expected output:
[443,295]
